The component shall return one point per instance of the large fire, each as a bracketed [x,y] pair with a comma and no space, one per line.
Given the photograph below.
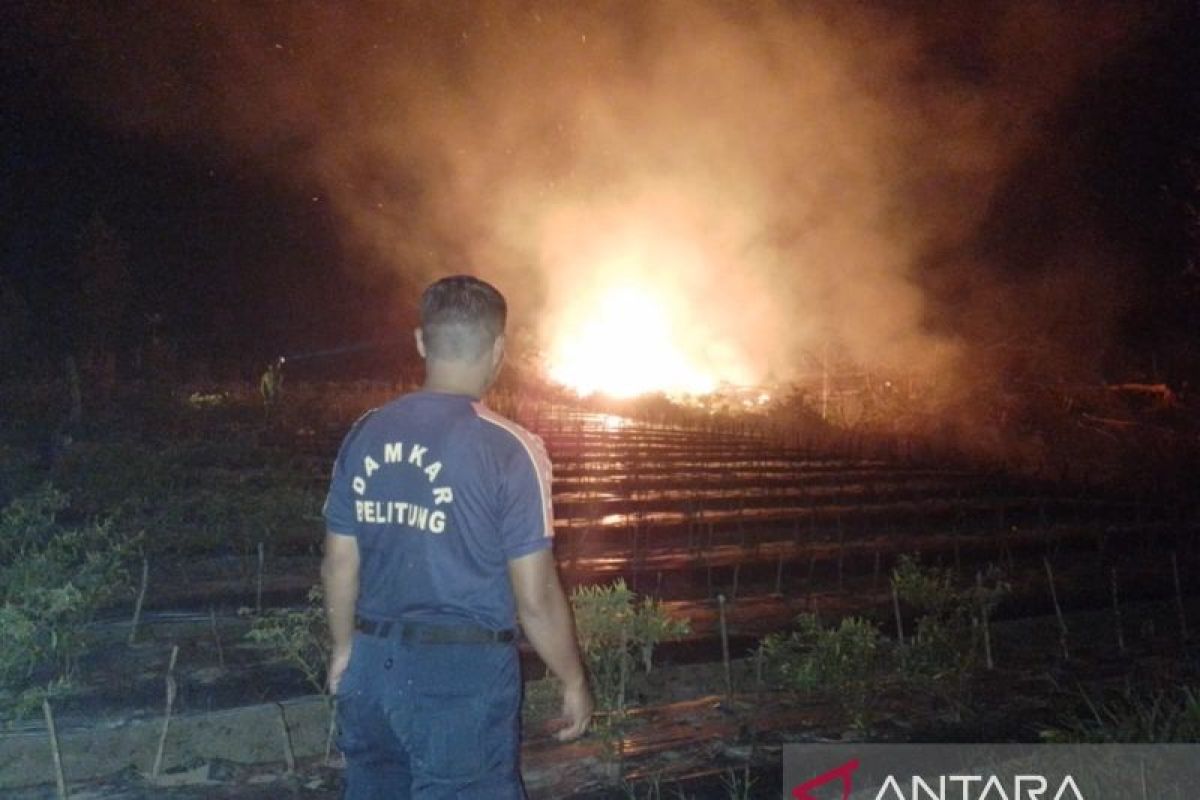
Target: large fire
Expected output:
[630,340]
[641,299]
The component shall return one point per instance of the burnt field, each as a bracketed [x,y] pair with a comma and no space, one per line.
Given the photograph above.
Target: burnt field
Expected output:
[731,526]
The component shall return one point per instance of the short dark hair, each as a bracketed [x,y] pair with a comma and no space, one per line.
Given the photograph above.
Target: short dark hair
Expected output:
[461,317]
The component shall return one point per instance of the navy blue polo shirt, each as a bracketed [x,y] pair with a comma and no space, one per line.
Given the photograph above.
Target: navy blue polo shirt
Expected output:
[440,493]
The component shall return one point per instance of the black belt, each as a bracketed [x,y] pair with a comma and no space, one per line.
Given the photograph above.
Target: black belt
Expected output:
[424,633]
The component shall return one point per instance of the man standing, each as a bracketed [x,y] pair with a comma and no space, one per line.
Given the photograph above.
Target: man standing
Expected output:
[438,538]
[270,386]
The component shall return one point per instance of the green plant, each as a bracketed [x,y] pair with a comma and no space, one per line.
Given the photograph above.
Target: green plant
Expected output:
[738,785]
[53,579]
[1133,717]
[297,636]
[844,662]
[613,626]
[945,650]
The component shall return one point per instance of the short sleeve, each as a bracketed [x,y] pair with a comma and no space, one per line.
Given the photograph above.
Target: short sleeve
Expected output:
[339,507]
[527,517]
[339,502]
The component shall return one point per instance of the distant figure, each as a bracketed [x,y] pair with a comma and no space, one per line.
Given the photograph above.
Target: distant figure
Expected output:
[439,533]
[270,386]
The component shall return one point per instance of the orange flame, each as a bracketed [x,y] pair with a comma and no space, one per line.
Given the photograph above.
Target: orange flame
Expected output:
[631,341]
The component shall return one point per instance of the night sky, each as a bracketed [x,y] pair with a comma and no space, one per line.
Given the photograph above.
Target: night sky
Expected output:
[109,145]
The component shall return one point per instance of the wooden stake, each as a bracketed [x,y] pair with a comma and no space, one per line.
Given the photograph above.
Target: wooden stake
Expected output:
[875,573]
[60,777]
[1117,613]
[983,616]
[332,702]
[289,754]
[758,669]
[1062,623]
[725,650]
[841,551]
[623,674]
[637,558]
[779,575]
[899,619]
[212,623]
[737,569]
[1183,628]
[141,598]
[259,582]
[171,691]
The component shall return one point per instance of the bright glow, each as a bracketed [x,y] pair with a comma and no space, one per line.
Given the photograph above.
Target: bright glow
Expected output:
[612,422]
[643,297]
[629,343]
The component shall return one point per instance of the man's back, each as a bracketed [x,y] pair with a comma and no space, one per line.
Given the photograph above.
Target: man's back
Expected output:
[438,539]
[440,493]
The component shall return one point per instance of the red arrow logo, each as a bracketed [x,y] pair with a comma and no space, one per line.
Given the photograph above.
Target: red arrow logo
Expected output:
[845,772]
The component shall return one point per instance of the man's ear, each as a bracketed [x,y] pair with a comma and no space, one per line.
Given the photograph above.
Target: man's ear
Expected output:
[497,351]
[419,336]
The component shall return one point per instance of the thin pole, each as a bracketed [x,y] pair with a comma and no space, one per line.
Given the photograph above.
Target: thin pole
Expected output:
[1062,623]
[332,703]
[623,673]
[983,615]
[1117,612]
[725,650]
[212,623]
[141,598]
[171,691]
[1183,628]
[60,776]
[841,551]
[289,754]
[259,582]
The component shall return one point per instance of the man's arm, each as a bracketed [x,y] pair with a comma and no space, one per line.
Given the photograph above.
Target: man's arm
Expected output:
[546,619]
[339,576]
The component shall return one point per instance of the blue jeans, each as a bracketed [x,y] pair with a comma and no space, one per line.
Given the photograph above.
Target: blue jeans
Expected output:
[430,721]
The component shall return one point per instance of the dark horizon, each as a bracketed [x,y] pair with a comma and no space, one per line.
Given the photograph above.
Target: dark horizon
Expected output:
[241,253]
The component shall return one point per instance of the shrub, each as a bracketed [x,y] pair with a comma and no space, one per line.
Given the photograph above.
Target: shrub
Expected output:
[613,627]
[1133,717]
[298,636]
[945,651]
[53,579]
[845,661]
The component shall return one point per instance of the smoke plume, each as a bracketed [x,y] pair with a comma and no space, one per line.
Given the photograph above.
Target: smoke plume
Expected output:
[790,179]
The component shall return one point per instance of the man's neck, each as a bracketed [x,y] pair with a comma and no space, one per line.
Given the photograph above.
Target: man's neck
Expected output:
[441,389]
[449,383]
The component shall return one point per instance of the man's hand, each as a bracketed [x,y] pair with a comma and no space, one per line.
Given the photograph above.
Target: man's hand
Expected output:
[338,661]
[546,619]
[576,712]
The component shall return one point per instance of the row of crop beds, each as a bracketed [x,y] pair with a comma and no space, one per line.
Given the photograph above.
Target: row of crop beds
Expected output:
[685,514]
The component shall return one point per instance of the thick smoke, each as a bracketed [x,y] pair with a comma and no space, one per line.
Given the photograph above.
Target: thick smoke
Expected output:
[797,177]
